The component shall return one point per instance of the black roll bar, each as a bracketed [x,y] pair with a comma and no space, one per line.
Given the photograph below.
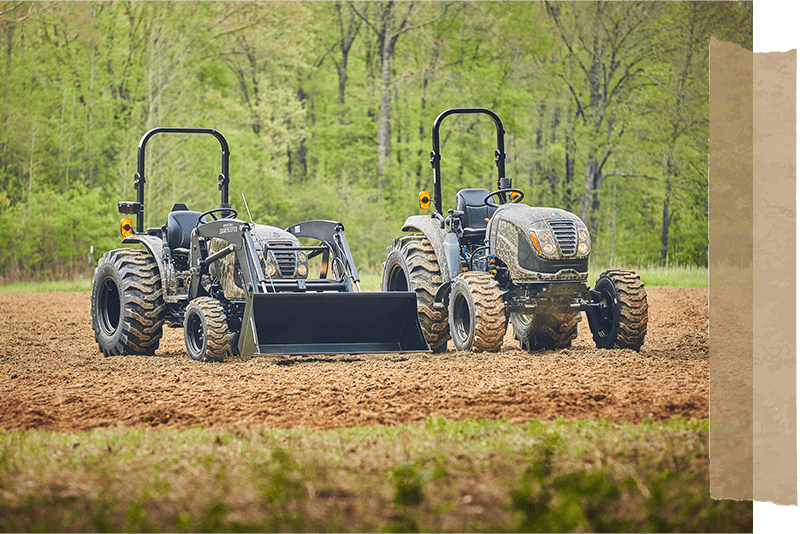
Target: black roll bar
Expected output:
[436,156]
[139,179]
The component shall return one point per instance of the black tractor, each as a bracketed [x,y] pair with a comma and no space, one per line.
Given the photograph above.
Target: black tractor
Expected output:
[240,288]
[493,259]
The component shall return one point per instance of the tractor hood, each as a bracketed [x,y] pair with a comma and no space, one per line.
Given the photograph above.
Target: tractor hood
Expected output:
[270,234]
[540,243]
[277,249]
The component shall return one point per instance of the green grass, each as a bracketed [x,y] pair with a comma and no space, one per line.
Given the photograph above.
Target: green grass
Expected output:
[370,281]
[658,276]
[41,287]
[434,475]
[652,276]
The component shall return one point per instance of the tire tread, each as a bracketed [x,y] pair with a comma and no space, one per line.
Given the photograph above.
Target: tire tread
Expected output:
[424,276]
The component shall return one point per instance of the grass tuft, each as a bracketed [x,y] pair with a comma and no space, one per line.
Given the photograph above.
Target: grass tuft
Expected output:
[434,475]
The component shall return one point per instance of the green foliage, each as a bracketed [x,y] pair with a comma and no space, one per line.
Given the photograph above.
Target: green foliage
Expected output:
[564,502]
[84,81]
[435,475]
[407,485]
[52,230]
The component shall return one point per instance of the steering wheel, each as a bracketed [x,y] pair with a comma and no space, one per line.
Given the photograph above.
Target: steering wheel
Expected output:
[231,214]
[499,191]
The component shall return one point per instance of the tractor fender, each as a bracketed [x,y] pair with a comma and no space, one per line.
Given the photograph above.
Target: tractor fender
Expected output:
[156,247]
[445,243]
[442,296]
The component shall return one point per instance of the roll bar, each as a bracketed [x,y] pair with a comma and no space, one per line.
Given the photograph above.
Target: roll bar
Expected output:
[139,179]
[436,156]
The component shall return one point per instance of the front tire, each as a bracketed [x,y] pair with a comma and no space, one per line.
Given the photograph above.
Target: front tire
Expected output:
[476,312]
[127,303]
[548,331]
[411,265]
[622,319]
[205,330]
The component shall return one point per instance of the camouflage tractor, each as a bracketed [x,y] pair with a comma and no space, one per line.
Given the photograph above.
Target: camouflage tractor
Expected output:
[493,259]
[240,288]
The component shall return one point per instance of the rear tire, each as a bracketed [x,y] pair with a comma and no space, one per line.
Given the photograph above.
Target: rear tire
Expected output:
[548,331]
[205,330]
[477,314]
[411,265]
[127,303]
[622,321]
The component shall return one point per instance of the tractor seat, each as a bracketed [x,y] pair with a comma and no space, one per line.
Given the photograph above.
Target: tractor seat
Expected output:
[473,222]
[180,223]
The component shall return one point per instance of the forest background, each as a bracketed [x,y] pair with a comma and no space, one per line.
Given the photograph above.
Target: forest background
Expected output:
[328,107]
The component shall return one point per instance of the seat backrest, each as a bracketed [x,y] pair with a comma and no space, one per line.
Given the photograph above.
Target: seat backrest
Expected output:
[179,228]
[470,201]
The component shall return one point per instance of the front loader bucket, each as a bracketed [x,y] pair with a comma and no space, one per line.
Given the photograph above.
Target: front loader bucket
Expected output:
[331,323]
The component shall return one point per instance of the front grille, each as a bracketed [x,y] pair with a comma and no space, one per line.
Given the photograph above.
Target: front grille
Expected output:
[286,259]
[566,235]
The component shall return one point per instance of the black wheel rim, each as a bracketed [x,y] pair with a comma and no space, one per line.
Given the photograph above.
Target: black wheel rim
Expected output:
[397,280]
[461,318]
[605,319]
[110,307]
[194,334]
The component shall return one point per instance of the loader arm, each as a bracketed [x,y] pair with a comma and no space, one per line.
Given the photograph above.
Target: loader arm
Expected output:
[331,233]
[307,316]
[237,234]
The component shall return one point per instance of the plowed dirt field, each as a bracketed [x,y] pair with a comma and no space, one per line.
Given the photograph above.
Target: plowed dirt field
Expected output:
[52,376]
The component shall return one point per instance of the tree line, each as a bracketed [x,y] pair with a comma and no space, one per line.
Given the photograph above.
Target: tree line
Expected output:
[328,108]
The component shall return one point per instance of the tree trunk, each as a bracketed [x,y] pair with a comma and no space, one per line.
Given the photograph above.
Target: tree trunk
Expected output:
[342,69]
[346,38]
[587,197]
[384,114]
[569,159]
[613,222]
[665,225]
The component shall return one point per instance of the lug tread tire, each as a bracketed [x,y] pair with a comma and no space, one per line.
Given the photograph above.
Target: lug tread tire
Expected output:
[138,331]
[415,255]
[214,321]
[489,311]
[633,308]
[562,330]
[549,331]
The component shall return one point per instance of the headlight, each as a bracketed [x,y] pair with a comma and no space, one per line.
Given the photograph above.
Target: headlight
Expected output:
[542,241]
[270,269]
[584,243]
[302,256]
[302,270]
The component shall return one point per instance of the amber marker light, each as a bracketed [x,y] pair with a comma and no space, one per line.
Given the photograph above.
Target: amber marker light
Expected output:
[125,227]
[535,241]
[514,196]
[424,200]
